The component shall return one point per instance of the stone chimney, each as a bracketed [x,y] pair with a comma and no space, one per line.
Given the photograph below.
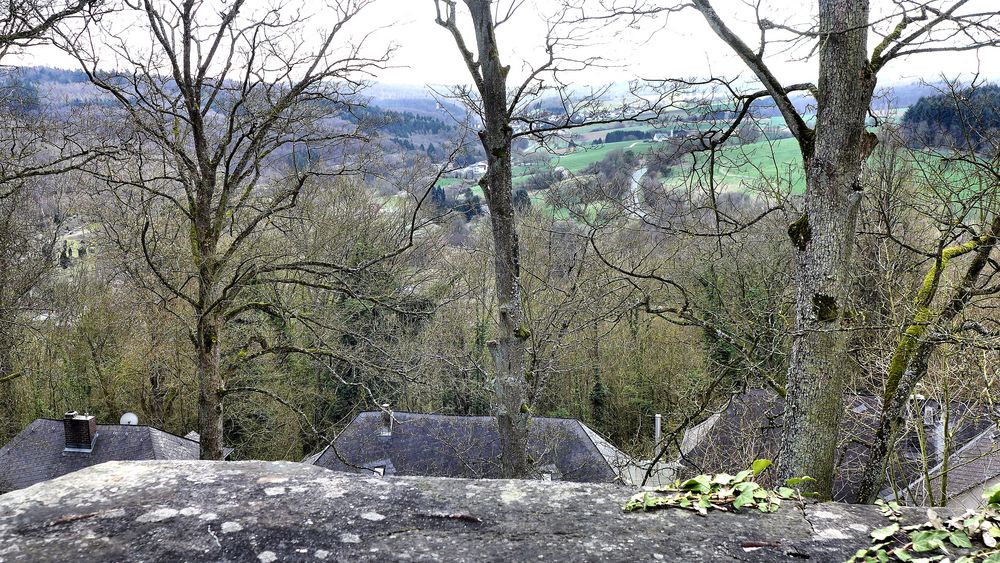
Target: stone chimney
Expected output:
[81,432]
[386,426]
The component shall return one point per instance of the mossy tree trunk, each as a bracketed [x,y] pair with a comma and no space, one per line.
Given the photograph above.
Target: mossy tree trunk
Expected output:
[824,239]
[909,361]
[833,153]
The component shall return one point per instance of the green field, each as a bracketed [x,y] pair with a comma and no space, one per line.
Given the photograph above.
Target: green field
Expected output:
[774,161]
[445,182]
[736,166]
[585,156]
[777,164]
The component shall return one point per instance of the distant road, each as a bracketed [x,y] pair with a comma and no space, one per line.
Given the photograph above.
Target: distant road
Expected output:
[635,190]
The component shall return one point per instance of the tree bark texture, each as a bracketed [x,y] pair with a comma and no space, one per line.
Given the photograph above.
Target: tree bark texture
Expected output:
[824,238]
[208,331]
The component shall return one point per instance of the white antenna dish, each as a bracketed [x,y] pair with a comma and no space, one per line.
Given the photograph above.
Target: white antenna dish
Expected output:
[129,419]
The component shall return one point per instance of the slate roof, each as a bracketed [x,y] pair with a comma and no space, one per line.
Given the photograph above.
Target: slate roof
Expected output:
[468,446]
[36,454]
[750,428]
[969,467]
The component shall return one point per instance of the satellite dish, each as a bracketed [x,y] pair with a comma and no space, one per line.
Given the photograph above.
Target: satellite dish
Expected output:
[129,419]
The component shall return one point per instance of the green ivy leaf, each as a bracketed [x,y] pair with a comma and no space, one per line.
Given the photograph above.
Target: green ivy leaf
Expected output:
[992,494]
[701,484]
[745,499]
[960,539]
[885,533]
[760,465]
[647,501]
[929,540]
[796,481]
[901,554]
[723,479]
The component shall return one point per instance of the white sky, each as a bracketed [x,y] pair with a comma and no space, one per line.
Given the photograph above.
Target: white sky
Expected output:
[681,46]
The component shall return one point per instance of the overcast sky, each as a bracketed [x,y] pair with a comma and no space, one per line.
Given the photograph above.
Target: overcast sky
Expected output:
[681,46]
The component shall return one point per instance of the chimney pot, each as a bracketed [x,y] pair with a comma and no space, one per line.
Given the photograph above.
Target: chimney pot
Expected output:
[80,431]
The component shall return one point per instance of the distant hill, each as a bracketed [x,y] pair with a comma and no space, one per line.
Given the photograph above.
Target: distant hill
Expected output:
[398,111]
[969,115]
[40,74]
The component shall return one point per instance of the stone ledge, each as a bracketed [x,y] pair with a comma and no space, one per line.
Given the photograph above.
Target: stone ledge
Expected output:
[281,511]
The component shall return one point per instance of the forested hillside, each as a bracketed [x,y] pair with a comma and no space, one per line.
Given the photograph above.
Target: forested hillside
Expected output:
[960,116]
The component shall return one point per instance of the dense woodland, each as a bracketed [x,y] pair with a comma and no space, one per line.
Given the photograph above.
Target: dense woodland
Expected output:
[219,228]
[945,118]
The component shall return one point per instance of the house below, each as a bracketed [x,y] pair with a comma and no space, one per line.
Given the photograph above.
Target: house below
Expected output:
[401,443]
[675,133]
[970,470]
[49,448]
[749,428]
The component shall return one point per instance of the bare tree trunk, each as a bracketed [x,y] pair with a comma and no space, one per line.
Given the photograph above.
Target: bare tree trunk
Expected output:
[510,346]
[210,386]
[8,398]
[824,238]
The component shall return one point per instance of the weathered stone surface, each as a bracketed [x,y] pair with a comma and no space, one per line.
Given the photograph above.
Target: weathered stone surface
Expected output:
[258,511]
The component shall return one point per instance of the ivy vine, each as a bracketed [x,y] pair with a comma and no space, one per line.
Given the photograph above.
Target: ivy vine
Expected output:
[969,538]
[722,492]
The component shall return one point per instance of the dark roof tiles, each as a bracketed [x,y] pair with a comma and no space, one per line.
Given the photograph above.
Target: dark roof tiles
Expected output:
[750,428]
[36,454]
[467,446]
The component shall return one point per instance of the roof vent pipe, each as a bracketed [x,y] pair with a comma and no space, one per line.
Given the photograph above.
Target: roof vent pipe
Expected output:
[657,421]
[386,429]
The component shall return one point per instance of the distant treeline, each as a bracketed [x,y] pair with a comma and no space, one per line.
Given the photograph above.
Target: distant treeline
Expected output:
[400,123]
[36,74]
[964,116]
[21,85]
[627,135]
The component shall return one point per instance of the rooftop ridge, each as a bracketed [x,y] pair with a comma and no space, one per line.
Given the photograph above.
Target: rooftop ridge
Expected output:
[150,426]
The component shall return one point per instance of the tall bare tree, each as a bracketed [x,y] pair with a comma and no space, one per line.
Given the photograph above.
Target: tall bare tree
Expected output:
[833,151]
[506,111]
[228,113]
[34,146]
